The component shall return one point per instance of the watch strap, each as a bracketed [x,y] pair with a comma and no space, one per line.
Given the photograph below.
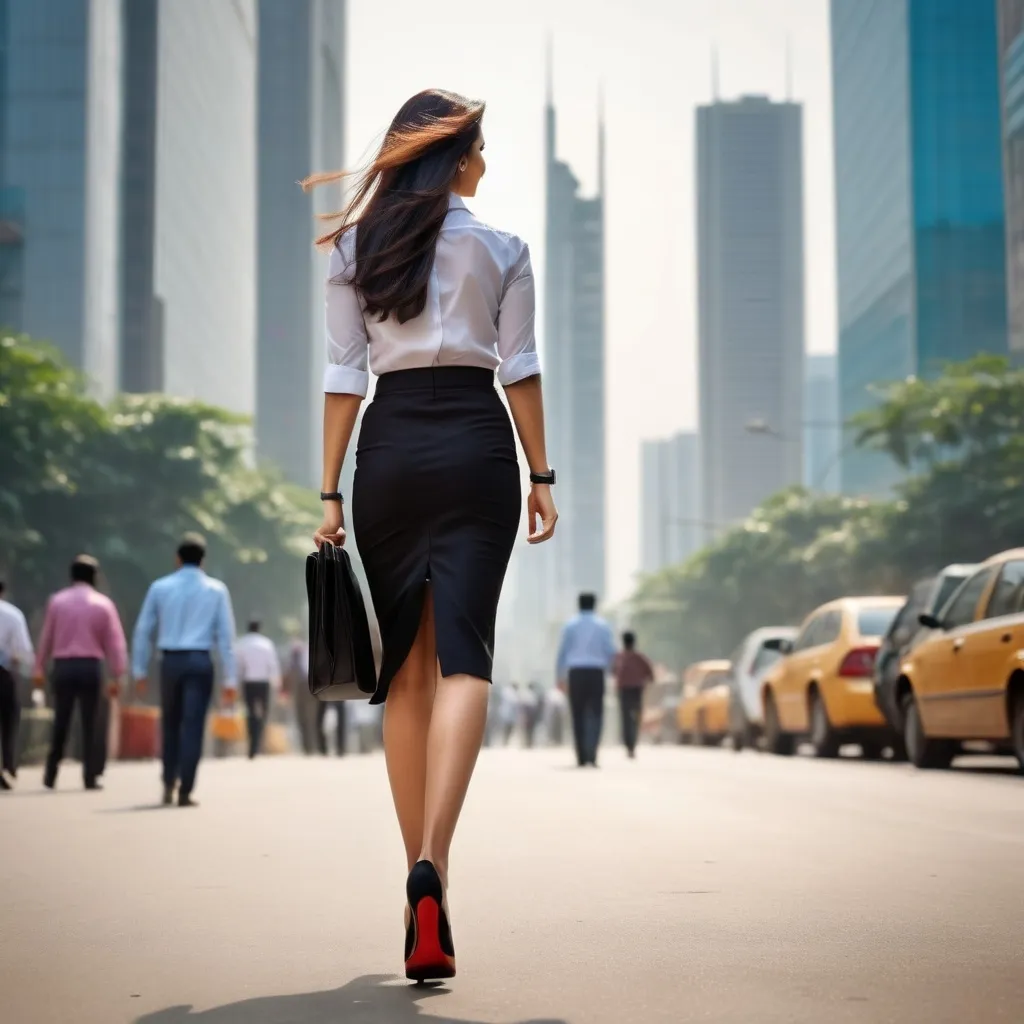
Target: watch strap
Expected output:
[331,496]
[543,478]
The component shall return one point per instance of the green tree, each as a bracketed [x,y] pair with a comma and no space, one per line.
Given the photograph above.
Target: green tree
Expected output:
[124,481]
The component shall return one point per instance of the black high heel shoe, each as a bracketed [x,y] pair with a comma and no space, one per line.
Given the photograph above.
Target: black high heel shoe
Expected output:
[429,952]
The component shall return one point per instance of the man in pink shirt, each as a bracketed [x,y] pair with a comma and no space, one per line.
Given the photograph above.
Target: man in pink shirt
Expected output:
[82,630]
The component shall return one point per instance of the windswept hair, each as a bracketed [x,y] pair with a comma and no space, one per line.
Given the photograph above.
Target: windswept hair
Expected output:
[400,201]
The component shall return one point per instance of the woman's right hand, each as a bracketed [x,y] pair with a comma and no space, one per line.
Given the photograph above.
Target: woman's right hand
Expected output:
[332,529]
[540,504]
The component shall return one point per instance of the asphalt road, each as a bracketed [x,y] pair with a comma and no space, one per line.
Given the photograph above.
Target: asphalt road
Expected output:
[690,885]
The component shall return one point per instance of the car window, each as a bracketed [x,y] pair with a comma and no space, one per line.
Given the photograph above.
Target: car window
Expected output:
[946,588]
[714,679]
[1008,594]
[831,627]
[763,660]
[809,634]
[875,621]
[964,603]
[905,624]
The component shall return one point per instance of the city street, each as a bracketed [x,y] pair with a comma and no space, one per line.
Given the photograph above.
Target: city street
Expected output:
[689,885]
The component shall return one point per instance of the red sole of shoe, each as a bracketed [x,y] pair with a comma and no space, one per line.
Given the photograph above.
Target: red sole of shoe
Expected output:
[428,961]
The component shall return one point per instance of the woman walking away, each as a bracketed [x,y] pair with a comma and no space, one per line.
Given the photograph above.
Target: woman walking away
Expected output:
[433,302]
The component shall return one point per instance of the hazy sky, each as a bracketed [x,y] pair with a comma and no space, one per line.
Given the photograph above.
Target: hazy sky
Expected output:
[654,59]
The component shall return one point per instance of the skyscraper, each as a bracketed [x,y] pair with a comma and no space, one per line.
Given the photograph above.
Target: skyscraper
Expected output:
[1011,54]
[60,139]
[546,580]
[670,511]
[189,225]
[574,361]
[301,130]
[750,267]
[823,435]
[921,250]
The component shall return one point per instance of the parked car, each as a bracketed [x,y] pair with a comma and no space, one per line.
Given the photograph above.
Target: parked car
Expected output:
[823,688]
[965,681]
[752,659]
[703,712]
[928,597]
[658,720]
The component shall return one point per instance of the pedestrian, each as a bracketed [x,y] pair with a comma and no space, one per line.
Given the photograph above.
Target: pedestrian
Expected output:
[305,706]
[530,703]
[446,301]
[340,727]
[554,715]
[584,656]
[190,615]
[632,673]
[509,713]
[82,629]
[15,655]
[259,673]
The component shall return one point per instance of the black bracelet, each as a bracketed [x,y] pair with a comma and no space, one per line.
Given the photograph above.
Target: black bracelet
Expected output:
[332,496]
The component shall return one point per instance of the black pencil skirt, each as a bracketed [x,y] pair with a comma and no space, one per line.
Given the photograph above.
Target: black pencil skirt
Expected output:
[436,501]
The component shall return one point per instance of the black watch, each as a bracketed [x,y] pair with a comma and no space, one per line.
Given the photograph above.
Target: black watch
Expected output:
[543,478]
[331,496]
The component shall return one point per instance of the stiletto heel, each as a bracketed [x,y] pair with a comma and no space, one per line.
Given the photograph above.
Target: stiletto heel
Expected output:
[429,952]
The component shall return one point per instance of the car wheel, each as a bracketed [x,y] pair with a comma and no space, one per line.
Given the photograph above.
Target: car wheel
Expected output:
[699,739]
[922,751]
[824,738]
[1017,729]
[775,740]
[739,740]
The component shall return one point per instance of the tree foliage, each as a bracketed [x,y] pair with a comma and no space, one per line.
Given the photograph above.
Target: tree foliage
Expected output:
[123,481]
[962,438]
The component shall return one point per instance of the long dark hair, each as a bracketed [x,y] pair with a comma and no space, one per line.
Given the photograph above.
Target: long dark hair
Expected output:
[401,200]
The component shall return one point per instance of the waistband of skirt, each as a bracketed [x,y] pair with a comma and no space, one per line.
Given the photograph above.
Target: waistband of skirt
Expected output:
[434,378]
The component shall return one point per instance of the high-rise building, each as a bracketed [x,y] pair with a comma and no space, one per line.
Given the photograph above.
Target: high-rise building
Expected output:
[301,130]
[921,250]
[670,523]
[823,434]
[574,362]
[1011,54]
[545,581]
[750,267]
[60,142]
[189,226]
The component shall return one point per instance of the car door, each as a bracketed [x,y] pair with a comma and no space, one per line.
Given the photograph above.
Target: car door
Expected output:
[942,676]
[994,645]
[793,676]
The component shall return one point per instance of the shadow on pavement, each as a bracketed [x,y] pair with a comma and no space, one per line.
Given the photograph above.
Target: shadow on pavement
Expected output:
[374,999]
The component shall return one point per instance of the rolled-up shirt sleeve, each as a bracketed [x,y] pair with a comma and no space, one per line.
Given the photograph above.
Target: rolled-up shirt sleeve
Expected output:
[347,371]
[517,342]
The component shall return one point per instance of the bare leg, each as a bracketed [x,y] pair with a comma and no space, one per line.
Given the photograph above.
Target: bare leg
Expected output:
[407,716]
[456,733]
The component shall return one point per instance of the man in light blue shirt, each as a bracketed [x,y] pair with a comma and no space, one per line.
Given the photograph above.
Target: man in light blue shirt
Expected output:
[191,615]
[584,655]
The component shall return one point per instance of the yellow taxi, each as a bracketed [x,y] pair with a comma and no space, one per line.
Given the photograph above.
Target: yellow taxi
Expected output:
[703,711]
[823,687]
[965,680]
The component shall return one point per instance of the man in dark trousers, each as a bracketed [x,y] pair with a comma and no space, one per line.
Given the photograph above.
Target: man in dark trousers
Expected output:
[584,656]
[82,630]
[15,653]
[632,673]
[259,672]
[190,614]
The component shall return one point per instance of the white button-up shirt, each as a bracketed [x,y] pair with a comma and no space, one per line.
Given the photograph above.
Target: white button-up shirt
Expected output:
[479,311]
[15,643]
[256,660]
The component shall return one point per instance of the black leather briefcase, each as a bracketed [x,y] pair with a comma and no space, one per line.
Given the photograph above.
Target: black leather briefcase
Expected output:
[341,664]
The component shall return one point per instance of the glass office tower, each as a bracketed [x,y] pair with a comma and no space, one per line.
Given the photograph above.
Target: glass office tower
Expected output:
[919,195]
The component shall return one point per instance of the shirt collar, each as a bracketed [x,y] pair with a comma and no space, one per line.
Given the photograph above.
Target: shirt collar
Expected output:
[456,202]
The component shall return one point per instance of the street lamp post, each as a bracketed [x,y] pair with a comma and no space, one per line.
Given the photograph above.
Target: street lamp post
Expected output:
[764,429]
